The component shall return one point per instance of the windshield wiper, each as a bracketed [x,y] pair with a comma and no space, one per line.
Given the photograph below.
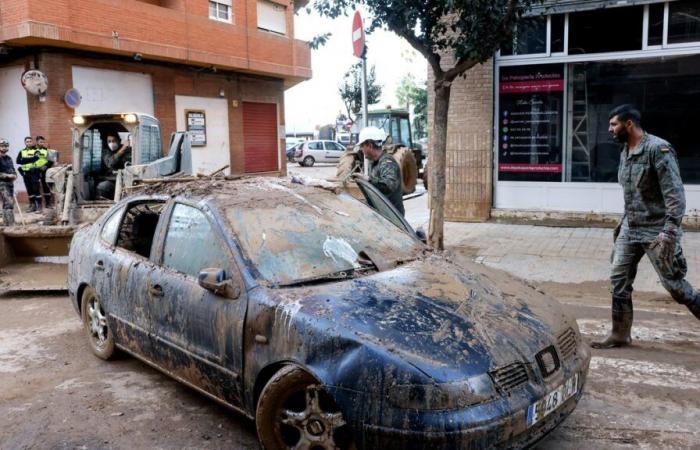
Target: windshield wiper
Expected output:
[334,276]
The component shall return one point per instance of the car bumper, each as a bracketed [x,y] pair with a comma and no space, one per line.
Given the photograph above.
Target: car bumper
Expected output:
[498,424]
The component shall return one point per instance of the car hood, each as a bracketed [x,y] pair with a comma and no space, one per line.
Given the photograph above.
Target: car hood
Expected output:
[447,320]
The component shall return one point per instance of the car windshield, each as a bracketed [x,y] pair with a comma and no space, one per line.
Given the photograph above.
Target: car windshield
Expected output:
[301,234]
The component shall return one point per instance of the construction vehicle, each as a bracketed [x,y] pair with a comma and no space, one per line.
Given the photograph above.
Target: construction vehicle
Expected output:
[399,143]
[45,239]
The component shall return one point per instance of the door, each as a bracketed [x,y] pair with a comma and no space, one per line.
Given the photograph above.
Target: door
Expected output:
[198,334]
[260,139]
[333,151]
[316,150]
[121,268]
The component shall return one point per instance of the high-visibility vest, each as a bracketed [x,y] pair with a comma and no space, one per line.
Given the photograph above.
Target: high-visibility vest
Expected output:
[43,154]
[27,153]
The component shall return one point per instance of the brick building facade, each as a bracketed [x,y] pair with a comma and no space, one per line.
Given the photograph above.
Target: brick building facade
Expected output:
[232,60]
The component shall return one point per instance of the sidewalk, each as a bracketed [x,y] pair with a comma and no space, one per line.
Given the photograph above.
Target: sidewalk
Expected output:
[549,254]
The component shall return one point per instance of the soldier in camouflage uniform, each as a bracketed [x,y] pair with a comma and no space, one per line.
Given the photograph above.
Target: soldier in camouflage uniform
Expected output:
[8,175]
[385,172]
[651,225]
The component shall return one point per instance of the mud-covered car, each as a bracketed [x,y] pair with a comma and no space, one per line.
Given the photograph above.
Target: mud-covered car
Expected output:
[326,321]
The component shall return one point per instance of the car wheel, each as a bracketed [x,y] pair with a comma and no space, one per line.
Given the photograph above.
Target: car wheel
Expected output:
[309,161]
[97,330]
[409,169]
[294,411]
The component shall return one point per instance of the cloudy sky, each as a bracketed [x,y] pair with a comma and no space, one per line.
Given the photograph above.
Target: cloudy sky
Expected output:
[317,102]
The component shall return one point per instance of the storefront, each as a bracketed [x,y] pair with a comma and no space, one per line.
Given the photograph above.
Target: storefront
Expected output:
[555,85]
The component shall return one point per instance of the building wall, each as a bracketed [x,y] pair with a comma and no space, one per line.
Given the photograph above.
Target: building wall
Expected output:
[52,118]
[175,30]
[469,168]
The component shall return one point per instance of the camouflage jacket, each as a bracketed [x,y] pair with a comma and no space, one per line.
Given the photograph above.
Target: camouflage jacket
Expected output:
[653,189]
[386,176]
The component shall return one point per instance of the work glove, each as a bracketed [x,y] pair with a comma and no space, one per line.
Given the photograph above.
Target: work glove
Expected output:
[666,243]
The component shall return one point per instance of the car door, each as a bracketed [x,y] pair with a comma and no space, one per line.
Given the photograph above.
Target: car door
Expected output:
[127,268]
[197,334]
[315,149]
[333,151]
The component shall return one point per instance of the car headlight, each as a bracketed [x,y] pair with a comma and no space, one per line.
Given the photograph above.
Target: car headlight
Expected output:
[442,396]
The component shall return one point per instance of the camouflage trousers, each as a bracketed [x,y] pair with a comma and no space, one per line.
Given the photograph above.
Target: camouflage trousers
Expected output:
[7,195]
[626,257]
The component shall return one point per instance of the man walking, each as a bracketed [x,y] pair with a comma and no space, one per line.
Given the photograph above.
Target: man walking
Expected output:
[8,175]
[26,159]
[651,225]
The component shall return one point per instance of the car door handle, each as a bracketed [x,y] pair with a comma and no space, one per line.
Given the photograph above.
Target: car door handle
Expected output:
[155,291]
[100,265]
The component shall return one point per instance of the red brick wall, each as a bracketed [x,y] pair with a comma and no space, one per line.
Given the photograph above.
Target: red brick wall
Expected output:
[52,118]
[174,30]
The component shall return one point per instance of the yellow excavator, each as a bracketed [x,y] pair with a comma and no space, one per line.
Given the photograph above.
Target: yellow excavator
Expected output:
[33,253]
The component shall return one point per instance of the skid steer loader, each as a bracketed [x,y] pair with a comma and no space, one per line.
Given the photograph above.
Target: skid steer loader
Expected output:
[33,254]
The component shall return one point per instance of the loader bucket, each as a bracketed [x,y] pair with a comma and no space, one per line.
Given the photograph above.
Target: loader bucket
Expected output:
[34,259]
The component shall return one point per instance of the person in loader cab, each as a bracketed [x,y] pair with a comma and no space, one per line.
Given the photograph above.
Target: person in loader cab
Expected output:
[8,175]
[385,173]
[115,156]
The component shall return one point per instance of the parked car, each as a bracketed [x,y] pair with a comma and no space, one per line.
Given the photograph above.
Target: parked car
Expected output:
[326,321]
[321,151]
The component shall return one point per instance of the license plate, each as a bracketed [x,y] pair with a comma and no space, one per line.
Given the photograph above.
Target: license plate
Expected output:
[542,408]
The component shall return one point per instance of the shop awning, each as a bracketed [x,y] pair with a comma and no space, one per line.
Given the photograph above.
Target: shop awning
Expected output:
[566,6]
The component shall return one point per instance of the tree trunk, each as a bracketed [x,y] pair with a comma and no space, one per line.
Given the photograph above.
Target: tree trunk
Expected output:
[438,157]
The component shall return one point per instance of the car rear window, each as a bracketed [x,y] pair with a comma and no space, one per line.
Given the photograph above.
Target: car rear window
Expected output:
[295,237]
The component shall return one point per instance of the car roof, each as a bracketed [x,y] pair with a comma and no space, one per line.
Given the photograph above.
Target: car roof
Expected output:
[253,192]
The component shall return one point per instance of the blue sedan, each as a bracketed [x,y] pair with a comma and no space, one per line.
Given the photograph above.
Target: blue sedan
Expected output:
[324,318]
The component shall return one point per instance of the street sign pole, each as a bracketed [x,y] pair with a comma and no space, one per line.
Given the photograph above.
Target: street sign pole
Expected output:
[360,50]
[365,122]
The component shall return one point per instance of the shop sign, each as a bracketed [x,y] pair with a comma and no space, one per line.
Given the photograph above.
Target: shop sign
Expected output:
[530,121]
[197,126]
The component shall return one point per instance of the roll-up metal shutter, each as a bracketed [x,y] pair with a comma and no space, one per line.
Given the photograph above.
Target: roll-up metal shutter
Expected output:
[260,142]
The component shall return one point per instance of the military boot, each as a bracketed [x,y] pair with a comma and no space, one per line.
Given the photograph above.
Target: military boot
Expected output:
[8,217]
[622,314]
[37,204]
[48,201]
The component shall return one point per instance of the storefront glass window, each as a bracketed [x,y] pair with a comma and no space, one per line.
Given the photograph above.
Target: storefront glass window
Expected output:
[684,22]
[664,90]
[656,24]
[558,33]
[606,30]
[529,37]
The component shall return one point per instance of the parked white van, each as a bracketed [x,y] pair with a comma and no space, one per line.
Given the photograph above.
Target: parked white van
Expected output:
[312,152]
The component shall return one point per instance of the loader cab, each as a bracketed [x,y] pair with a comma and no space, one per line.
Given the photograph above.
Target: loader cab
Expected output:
[90,143]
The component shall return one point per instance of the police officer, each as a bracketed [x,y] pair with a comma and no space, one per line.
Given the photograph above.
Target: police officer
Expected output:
[8,175]
[385,172]
[651,225]
[26,159]
[43,164]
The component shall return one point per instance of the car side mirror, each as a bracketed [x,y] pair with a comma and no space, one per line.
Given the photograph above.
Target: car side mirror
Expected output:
[216,281]
[420,234]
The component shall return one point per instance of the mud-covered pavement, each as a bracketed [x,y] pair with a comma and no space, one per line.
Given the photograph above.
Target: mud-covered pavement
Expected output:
[55,394]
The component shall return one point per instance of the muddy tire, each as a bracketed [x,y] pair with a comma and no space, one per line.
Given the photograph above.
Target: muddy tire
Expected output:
[294,411]
[100,337]
[346,166]
[409,169]
[309,161]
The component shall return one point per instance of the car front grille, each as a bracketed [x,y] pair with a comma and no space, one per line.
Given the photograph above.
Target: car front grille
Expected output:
[509,377]
[567,343]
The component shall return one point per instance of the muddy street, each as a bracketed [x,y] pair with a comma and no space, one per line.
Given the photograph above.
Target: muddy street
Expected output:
[56,394]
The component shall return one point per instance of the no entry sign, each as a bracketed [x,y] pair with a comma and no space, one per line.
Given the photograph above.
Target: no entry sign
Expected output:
[358,35]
